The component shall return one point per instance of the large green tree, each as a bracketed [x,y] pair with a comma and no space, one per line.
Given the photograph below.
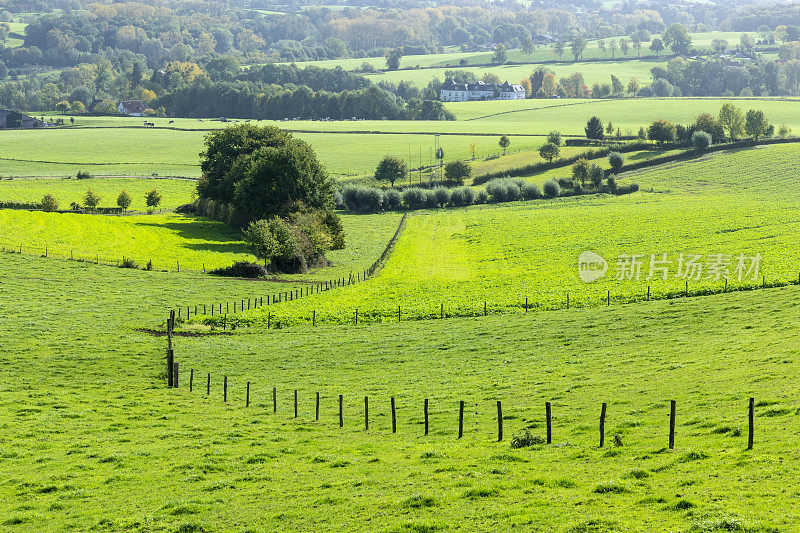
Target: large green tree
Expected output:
[262,171]
[756,124]
[391,169]
[677,37]
[731,119]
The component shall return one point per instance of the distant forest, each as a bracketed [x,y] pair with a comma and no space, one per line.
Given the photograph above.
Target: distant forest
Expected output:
[187,57]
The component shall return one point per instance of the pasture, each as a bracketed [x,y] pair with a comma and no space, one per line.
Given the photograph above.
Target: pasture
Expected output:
[122,147]
[174,192]
[161,459]
[175,242]
[459,259]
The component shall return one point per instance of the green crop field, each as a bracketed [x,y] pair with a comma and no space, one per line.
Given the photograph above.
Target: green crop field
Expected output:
[502,254]
[167,240]
[174,192]
[92,440]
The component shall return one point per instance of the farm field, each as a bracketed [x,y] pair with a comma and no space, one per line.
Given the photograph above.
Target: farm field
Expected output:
[174,192]
[17,28]
[457,257]
[165,459]
[122,147]
[166,239]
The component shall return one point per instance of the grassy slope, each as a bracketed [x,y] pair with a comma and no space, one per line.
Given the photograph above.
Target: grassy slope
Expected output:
[92,440]
[174,192]
[506,253]
[166,239]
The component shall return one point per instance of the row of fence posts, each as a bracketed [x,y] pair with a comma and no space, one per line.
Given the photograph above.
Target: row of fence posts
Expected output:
[173,382]
[246,304]
[323,286]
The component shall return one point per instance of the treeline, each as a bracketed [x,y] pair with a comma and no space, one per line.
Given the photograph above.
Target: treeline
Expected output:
[243,100]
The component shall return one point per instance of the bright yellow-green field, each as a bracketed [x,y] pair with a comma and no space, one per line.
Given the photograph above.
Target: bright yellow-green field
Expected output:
[505,253]
[174,192]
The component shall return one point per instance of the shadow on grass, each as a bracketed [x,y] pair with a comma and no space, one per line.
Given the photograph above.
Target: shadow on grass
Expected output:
[216,236]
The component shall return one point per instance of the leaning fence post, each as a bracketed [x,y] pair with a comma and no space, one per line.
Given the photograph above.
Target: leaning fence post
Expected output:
[247,398]
[191,379]
[603,425]
[499,421]
[366,413]
[549,416]
[751,423]
[460,419]
[225,389]
[341,411]
[672,424]
[208,385]
[316,410]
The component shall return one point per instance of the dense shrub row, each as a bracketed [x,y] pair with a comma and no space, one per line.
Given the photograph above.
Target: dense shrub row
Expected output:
[371,199]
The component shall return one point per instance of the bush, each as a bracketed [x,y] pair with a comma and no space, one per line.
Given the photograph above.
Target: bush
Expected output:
[242,269]
[186,209]
[124,200]
[531,191]
[597,175]
[128,263]
[83,175]
[469,195]
[442,196]
[525,439]
[414,198]
[370,199]
[701,140]
[430,198]
[612,183]
[393,200]
[565,183]
[616,160]
[49,203]
[551,189]
[481,197]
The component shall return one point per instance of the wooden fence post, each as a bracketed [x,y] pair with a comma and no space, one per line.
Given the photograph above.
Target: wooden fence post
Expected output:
[608,298]
[603,425]
[175,375]
[485,309]
[316,410]
[648,293]
[191,379]
[526,304]
[567,300]
[460,419]
[549,416]
[170,368]
[426,416]
[672,424]
[295,403]
[751,421]
[225,389]
[366,413]
[441,311]
[356,318]
[398,313]
[394,417]
[208,385]
[499,421]
[247,398]
[274,399]
[314,318]
[341,411]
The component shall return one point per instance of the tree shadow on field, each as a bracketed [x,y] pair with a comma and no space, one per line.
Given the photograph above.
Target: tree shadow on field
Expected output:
[216,236]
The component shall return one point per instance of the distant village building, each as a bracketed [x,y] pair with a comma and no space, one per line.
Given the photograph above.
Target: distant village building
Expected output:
[15,119]
[464,92]
[133,108]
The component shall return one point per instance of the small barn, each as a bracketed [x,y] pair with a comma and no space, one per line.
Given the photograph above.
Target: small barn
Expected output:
[15,119]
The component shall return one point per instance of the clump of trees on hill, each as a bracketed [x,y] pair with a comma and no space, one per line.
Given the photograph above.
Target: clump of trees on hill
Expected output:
[265,180]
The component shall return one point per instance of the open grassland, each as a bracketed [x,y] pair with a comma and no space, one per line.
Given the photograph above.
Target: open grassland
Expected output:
[121,146]
[16,38]
[174,192]
[92,440]
[503,254]
[169,240]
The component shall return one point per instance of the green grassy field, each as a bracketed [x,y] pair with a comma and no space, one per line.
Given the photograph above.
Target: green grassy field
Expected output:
[92,440]
[503,254]
[174,192]
[167,240]
[17,28]
[122,147]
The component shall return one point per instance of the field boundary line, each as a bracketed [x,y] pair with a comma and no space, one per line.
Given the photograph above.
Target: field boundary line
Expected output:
[378,265]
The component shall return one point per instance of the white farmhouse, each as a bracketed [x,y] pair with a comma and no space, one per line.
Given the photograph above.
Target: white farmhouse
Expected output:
[464,92]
